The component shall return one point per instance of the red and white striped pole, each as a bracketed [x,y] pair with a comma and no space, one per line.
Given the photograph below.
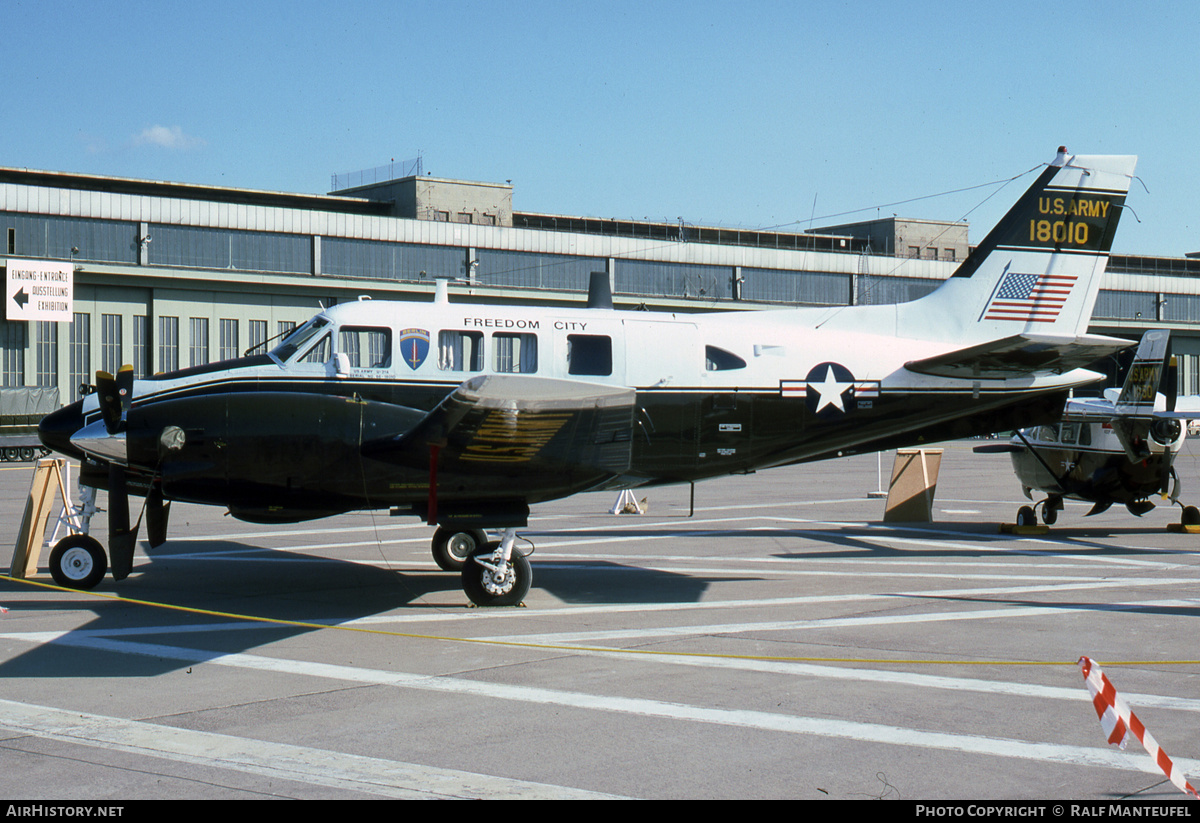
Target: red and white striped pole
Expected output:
[1117,719]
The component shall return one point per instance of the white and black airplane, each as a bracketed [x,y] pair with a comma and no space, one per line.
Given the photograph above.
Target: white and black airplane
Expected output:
[1117,449]
[465,414]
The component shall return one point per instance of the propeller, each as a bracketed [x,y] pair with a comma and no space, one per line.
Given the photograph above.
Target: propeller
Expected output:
[115,397]
[1170,380]
[1169,386]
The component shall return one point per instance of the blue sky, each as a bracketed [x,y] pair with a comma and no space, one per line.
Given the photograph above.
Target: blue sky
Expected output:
[756,114]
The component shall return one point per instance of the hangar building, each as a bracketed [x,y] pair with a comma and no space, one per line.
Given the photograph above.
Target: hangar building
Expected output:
[169,275]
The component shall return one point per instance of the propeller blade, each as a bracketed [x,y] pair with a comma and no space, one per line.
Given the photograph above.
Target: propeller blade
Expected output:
[115,395]
[121,539]
[1171,380]
[110,404]
[125,388]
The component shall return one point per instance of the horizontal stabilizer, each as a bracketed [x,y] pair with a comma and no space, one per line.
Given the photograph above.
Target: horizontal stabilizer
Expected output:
[1095,410]
[1019,356]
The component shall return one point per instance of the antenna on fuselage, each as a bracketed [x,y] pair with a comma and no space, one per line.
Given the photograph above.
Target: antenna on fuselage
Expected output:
[441,290]
[599,291]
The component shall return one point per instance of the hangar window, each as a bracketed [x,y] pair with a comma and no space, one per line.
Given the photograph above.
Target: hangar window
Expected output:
[258,335]
[460,350]
[589,354]
[516,353]
[168,343]
[366,347]
[720,360]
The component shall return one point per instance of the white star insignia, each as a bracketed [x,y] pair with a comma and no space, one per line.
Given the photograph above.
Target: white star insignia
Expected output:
[831,391]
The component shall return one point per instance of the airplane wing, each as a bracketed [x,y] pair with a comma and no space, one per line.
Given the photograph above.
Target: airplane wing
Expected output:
[516,426]
[1019,356]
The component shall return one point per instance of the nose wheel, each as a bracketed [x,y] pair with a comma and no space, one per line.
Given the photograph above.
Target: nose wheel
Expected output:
[78,561]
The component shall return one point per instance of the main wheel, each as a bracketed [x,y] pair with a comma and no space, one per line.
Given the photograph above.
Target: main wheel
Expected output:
[1190,516]
[485,588]
[452,547]
[1026,516]
[78,561]
[1049,514]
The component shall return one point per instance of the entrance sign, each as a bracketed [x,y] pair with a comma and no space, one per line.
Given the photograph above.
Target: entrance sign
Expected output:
[39,290]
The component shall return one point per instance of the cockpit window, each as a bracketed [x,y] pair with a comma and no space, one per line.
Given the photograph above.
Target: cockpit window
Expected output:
[318,352]
[300,338]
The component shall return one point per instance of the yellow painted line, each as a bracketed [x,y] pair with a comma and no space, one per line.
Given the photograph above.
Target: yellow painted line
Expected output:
[593,649]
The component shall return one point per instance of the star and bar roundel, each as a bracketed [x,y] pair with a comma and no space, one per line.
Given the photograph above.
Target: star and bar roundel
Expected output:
[830,390]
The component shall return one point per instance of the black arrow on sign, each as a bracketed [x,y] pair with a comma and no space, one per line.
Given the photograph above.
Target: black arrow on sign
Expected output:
[21,298]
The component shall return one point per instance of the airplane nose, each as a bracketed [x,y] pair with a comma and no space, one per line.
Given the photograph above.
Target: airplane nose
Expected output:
[56,429]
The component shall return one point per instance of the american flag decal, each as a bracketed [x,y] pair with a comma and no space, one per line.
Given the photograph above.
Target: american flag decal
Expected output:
[1031,298]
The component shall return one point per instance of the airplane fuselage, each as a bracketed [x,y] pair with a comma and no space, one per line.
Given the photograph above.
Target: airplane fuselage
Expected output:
[1089,463]
[289,435]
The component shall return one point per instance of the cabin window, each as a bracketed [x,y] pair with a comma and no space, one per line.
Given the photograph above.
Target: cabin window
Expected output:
[515,353]
[366,347]
[460,350]
[1069,433]
[720,360]
[1047,434]
[589,354]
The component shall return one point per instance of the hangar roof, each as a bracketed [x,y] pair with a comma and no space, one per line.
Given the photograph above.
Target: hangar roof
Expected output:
[191,191]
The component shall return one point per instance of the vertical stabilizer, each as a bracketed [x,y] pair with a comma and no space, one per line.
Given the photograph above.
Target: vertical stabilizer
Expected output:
[1038,271]
[1145,374]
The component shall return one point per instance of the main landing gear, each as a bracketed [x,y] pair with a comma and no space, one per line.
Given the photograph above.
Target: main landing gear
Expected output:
[497,574]
[494,572]
[452,547]
[1051,506]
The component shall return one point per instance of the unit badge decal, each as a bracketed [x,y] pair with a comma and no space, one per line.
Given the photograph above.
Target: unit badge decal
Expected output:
[414,347]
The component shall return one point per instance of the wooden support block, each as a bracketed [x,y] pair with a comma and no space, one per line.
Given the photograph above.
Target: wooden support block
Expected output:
[912,487]
[47,477]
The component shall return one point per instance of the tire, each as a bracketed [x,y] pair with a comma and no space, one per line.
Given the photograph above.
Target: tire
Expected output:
[480,586]
[1049,515]
[78,561]
[1026,516]
[1190,516]
[452,547]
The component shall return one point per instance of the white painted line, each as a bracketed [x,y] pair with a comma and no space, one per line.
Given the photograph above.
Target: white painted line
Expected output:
[280,761]
[766,721]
